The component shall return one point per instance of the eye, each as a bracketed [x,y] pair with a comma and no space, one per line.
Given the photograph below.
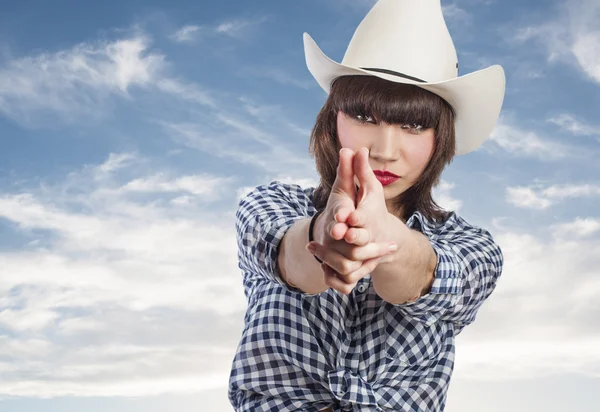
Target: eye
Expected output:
[413,128]
[363,118]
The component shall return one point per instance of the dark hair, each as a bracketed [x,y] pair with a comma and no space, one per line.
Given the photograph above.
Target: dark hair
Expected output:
[392,103]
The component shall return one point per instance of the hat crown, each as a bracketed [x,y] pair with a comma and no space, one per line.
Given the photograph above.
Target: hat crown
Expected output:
[405,36]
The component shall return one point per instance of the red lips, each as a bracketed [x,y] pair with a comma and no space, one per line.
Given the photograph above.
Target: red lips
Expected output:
[384,173]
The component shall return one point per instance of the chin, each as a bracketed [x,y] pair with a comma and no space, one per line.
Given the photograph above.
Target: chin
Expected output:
[391,193]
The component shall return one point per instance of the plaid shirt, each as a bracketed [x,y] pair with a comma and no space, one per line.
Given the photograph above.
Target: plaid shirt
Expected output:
[356,352]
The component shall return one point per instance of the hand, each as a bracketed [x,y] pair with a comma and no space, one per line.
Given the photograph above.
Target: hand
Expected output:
[348,254]
[370,216]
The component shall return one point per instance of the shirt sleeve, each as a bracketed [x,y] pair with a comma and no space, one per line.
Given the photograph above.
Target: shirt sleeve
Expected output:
[263,217]
[469,264]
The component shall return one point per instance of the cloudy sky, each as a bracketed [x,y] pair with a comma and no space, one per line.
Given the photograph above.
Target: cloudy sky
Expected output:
[129,130]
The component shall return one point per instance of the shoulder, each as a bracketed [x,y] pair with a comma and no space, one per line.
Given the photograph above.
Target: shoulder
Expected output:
[452,227]
[467,241]
[280,193]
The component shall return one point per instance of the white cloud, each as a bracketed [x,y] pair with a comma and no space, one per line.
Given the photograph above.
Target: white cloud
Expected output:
[522,332]
[186,34]
[123,251]
[199,185]
[505,360]
[236,28]
[119,284]
[79,82]
[572,36]
[118,370]
[570,123]
[23,320]
[580,227]
[551,34]
[59,86]
[520,142]
[443,197]
[24,348]
[267,114]
[527,198]
[73,81]
[77,325]
[233,28]
[186,91]
[586,48]
[537,197]
[571,191]
[196,136]
[224,134]
[116,161]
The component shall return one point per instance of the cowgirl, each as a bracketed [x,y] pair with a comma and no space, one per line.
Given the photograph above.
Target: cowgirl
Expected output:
[366,318]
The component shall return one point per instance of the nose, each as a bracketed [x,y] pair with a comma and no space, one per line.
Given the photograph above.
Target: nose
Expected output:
[385,148]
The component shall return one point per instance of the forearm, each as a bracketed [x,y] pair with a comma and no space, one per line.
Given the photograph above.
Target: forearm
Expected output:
[297,266]
[408,273]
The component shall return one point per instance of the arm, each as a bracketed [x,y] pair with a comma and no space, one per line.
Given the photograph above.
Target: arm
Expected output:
[407,274]
[468,266]
[272,231]
[298,267]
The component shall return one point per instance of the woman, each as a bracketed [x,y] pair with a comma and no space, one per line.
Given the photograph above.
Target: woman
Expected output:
[352,324]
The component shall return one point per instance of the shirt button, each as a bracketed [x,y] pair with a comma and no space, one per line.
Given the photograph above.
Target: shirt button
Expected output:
[361,288]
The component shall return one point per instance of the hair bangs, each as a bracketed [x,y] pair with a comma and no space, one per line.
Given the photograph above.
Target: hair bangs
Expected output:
[387,102]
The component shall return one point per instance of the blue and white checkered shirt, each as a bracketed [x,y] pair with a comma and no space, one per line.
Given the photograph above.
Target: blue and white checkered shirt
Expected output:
[356,352]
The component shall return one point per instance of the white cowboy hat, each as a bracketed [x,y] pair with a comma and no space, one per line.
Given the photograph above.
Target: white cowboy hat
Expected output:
[407,41]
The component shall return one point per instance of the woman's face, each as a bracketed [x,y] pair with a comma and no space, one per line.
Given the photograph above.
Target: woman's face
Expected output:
[402,150]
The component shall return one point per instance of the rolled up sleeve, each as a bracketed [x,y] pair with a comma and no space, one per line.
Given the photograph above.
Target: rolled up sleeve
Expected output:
[263,217]
[469,263]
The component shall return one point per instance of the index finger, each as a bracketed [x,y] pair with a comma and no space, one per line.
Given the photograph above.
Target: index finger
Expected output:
[345,173]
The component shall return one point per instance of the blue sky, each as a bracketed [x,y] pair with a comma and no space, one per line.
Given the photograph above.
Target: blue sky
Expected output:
[130,130]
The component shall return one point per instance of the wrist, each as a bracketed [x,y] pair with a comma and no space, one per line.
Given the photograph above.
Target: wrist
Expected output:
[314,231]
[395,231]
[319,229]
[387,236]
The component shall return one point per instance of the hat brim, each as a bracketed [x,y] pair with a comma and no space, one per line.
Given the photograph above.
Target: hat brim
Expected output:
[475,97]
